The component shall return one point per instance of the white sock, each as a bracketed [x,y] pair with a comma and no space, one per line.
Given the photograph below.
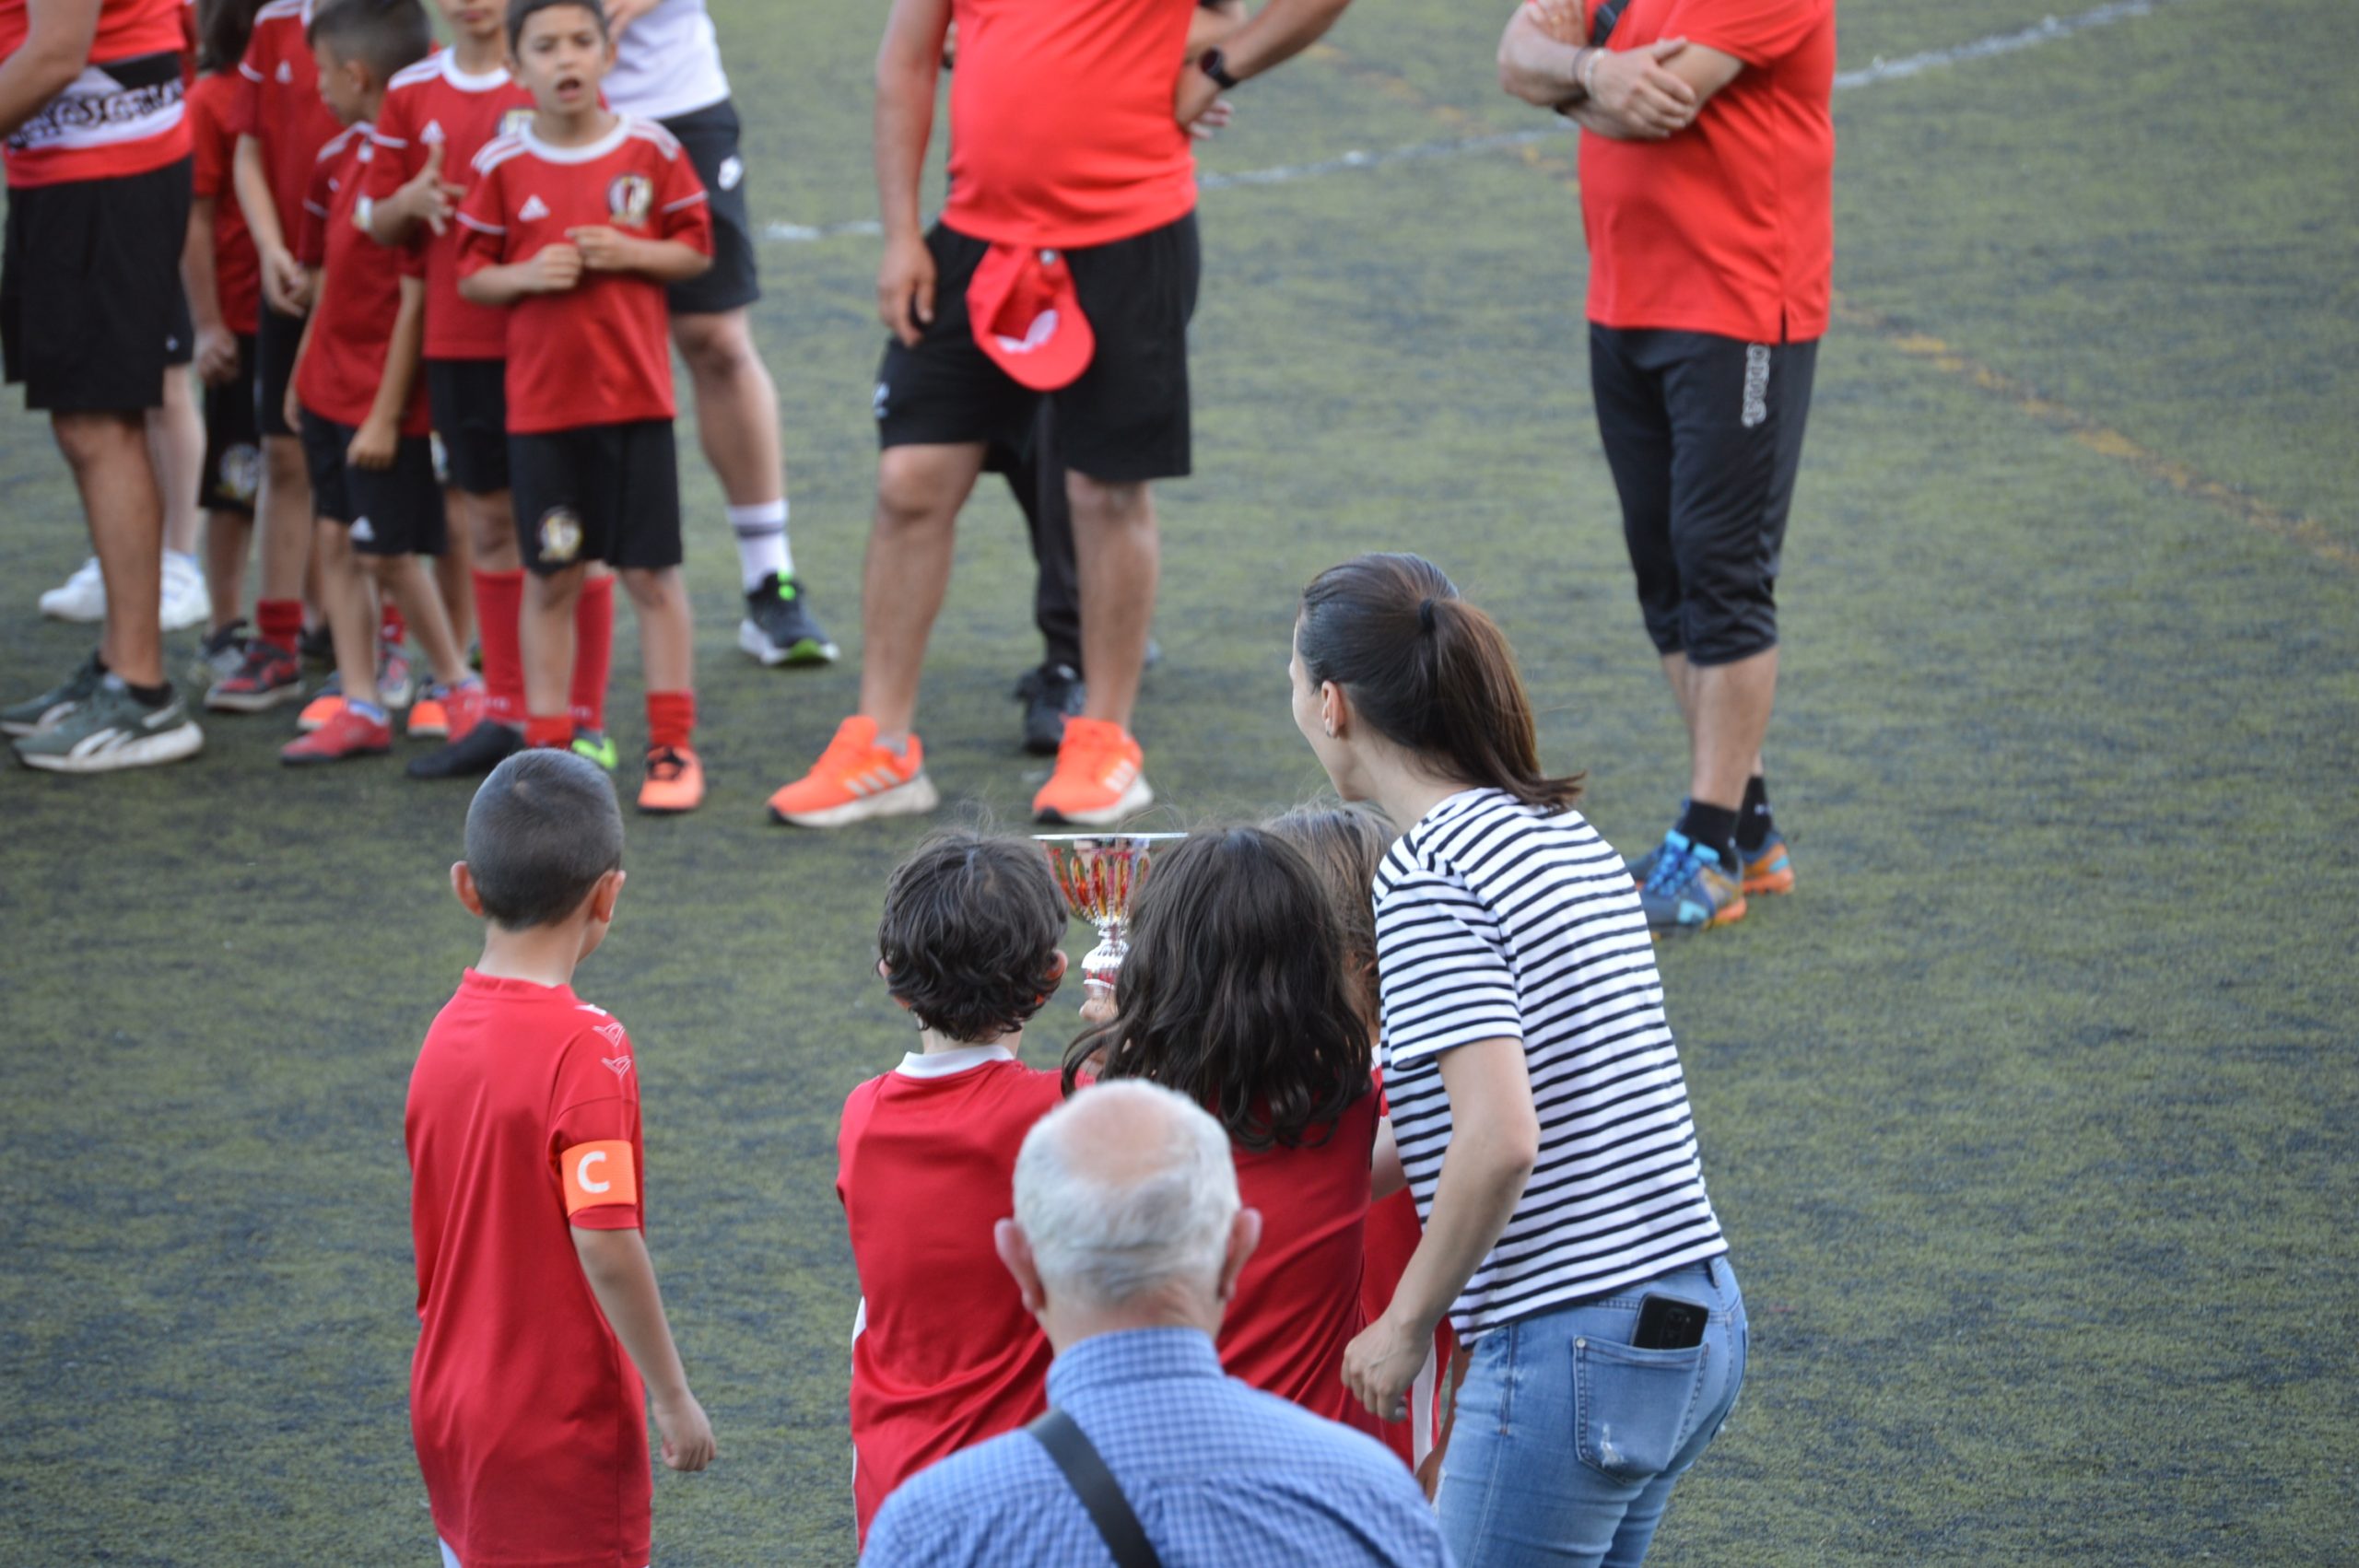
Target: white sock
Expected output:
[761,542]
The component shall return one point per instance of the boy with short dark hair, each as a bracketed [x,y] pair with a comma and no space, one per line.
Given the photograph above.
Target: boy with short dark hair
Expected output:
[358,402]
[944,1355]
[538,1311]
[576,221]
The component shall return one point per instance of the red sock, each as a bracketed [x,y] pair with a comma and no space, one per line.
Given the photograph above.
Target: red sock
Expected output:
[593,651]
[671,718]
[281,621]
[500,599]
[391,628]
[541,730]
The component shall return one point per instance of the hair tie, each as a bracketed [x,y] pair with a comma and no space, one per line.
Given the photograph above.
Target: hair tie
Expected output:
[1426,616]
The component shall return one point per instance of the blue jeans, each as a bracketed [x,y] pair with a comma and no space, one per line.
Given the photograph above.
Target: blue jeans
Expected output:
[1568,1440]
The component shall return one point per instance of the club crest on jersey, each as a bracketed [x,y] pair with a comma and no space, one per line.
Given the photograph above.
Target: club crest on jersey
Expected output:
[515,120]
[629,199]
[560,535]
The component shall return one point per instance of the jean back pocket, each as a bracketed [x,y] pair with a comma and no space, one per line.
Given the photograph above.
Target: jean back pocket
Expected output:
[1633,1409]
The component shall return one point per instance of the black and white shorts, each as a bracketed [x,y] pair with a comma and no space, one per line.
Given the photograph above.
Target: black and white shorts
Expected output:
[1125,419]
[710,137]
[391,511]
[469,400]
[605,493]
[232,475]
[91,311]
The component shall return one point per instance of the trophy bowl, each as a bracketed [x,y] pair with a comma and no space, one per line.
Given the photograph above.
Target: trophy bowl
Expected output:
[1099,874]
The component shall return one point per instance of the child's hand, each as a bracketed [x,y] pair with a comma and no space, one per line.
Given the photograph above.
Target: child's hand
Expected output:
[688,1435]
[428,198]
[217,356]
[285,283]
[1098,1010]
[292,407]
[374,444]
[604,250]
[555,269]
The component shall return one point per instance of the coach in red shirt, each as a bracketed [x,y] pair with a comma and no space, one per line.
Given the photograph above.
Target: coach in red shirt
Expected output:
[1707,166]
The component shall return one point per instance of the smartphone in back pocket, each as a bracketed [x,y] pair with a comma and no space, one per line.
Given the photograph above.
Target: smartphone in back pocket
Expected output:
[1666,1323]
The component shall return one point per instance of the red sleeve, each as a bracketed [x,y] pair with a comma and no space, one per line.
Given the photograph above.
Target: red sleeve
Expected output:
[399,153]
[594,1136]
[681,211]
[312,245]
[483,220]
[246,105]
[211,175]
[1759,33]
[858,1106]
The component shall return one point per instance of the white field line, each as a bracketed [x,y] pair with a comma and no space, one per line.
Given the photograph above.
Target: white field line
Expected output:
[2050,30]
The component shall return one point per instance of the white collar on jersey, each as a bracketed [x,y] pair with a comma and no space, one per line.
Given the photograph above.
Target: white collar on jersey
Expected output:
[589,152]
[957,1059]
[465,82]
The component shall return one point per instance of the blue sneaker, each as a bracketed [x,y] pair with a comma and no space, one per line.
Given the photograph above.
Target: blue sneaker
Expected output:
[1767,870]
[1688,889]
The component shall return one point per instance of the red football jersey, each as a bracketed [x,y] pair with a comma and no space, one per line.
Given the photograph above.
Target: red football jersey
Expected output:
[1298,1302]
[530,1420]
[947,1356]
[600,353]
[279,107]
[1061,127]
[1728,226]
[359,294]
[1393,1232]
[237,271]
[102,127]
[431,104]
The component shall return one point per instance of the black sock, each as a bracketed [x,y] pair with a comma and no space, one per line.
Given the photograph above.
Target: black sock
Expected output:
[1710,828]
[150,696]
[1752,822]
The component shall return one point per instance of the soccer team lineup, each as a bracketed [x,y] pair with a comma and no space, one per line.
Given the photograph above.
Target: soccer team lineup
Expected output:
[1291,1158]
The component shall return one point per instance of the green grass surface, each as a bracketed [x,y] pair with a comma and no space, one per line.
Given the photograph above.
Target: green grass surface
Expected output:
[2030,1117]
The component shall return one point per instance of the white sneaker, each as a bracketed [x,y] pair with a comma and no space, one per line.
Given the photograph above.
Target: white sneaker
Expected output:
[185,601]
[82,597]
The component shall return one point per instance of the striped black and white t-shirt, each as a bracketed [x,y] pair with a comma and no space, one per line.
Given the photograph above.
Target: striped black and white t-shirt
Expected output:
[1497,920]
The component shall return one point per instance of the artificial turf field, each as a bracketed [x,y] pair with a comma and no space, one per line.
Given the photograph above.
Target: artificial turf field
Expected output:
[2031,1117]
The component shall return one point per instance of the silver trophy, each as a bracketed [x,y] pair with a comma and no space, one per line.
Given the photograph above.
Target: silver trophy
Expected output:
[1099,874]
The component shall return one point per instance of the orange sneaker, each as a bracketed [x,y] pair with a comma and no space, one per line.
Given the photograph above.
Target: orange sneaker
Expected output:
[323,707]
[854,779]
[428,720]
[1100,777]
[675,782]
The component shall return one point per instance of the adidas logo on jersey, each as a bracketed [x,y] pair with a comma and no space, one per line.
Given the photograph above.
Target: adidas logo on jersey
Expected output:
[432,134]
[286,73]
[533,207]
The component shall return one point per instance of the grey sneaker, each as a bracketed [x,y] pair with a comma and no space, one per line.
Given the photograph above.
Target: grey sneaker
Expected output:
[110,729]
[779,627]
[36,714]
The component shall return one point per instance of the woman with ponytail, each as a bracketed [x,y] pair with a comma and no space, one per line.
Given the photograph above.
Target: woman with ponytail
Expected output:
[1537,1105]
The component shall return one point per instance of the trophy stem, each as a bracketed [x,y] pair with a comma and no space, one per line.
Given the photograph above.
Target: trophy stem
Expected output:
[1104,961]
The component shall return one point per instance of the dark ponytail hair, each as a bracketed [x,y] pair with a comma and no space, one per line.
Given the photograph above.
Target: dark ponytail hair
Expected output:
[222,28]
[1430,671]
[1235,993]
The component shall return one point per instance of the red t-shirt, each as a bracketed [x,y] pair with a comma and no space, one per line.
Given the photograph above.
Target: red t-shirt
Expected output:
[600,353]
[237,271]
[1298,1302]
[359,293]
[431,104]
[530,1420]
[1393,1234]
[279,107]
[102,127]
[947,1356]
[1728,226]
[1061,127]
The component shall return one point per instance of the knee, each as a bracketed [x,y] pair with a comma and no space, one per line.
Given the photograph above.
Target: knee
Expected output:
[716,346]
[651,587]
[912,493]
[282,459]
[1097,503]
[89,439]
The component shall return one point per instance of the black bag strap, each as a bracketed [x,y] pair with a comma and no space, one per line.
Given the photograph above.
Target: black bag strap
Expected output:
[1600,25]
[1096,1486]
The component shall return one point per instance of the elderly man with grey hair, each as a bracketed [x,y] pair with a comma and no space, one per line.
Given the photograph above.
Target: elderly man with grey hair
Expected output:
[1127,1242]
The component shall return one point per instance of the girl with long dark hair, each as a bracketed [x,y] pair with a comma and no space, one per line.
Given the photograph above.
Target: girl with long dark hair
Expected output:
[1537,1106]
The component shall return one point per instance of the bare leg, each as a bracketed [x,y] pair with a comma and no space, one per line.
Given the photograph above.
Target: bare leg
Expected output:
[1682,677]
[227,536]
[736,405]
[491,522]
[918,492]
[348,602]
[176,444]
[406,579]
[666,630]
[108,453]
[545,631]
[454,571]
[1731,704]
[285,518]
[1120,555]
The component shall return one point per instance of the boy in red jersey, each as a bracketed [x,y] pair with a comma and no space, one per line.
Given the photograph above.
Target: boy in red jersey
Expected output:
[282,125]
[358,402]
[533,1283]
[577,220]
[944,1356]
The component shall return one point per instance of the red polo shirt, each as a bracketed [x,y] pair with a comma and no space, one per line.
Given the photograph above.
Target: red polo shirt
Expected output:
[1727,226]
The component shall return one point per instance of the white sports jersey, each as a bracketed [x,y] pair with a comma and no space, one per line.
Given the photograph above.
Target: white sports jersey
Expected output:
[668,64]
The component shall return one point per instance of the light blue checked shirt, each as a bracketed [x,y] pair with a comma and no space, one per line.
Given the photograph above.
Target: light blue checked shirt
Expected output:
[1220,1474]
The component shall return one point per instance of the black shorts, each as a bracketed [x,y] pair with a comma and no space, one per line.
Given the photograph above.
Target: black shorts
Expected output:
[275,346]
[605,493]
[1124,419]
[392,511]
[91,311]
[232,475]
[1705,436]
[710,137]
[469,398]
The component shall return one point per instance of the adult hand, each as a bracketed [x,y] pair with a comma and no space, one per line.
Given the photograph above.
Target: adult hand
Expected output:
[688,1435]
[285,283]
[1632,86]
[1213,121]
[428,198]
[1381,1363]
[604,248]
[217,356]
[374,444]
[620,14]
[1192,97]
[554,270]
[905,281]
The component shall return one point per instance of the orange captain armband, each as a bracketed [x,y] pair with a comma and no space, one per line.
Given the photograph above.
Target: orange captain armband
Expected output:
[598,1173]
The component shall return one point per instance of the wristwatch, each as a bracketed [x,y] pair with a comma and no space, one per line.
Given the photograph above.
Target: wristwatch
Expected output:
[1211,64]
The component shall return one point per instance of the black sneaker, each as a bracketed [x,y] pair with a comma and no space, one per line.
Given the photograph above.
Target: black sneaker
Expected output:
[1051,695]
[473,755]
[223,653]
[779,627]
[316,647]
